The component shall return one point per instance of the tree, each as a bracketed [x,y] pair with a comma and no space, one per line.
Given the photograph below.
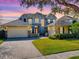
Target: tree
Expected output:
[55,5]
[75,27]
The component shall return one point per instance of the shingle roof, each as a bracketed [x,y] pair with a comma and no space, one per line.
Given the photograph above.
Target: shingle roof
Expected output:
[2,22]
[65,21]
[39,15]
[51,16]
[16,23]
[27,16]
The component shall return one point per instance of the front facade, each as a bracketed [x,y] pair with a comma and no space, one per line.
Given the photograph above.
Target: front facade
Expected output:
[28,24]
[39,22]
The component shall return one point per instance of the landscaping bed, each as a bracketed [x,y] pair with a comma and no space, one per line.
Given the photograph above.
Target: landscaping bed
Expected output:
[1,40]
[47,46]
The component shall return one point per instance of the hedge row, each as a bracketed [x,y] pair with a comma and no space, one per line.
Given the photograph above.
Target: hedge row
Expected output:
[64,36]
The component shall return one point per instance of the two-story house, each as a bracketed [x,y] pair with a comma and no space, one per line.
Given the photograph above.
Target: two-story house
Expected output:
[28,24]
[39,22]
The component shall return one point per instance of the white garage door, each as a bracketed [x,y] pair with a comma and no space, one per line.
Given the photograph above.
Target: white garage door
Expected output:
[17,32]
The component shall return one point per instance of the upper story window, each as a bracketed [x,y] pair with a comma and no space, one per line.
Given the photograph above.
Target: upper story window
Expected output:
[36,20]
[24,20]
[30,21]
[42,22]
[49,20]
[53,21]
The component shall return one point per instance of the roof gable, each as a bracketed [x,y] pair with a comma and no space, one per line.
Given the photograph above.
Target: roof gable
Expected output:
[51,16]
[16,23]
[65,21]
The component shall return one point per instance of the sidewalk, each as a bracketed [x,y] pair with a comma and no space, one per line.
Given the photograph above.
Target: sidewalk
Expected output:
[64,55]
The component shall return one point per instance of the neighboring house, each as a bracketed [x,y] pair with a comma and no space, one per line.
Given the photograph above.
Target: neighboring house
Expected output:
[62,25]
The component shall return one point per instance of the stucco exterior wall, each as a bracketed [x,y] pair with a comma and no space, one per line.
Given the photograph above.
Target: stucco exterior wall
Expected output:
[57,30]
[66,29]
[51,30]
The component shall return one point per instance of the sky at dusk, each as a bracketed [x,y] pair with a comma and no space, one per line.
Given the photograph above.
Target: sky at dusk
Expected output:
[11,9]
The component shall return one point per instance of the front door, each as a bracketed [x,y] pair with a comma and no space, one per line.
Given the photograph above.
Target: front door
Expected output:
[36,30]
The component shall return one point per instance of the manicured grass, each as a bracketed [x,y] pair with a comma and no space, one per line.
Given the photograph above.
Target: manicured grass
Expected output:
[76,57]
[47,46]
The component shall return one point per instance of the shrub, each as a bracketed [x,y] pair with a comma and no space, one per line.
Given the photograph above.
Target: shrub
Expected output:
[52,36]
[55,36]
[2,34]
[77,36]
[64,36]
[35,35]
[75,27]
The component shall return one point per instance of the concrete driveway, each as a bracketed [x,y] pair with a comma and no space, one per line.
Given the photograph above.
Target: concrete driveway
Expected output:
[26,50]
[18,50]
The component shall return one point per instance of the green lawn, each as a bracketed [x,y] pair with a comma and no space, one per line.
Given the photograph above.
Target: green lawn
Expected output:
[76,57]
[47,46]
